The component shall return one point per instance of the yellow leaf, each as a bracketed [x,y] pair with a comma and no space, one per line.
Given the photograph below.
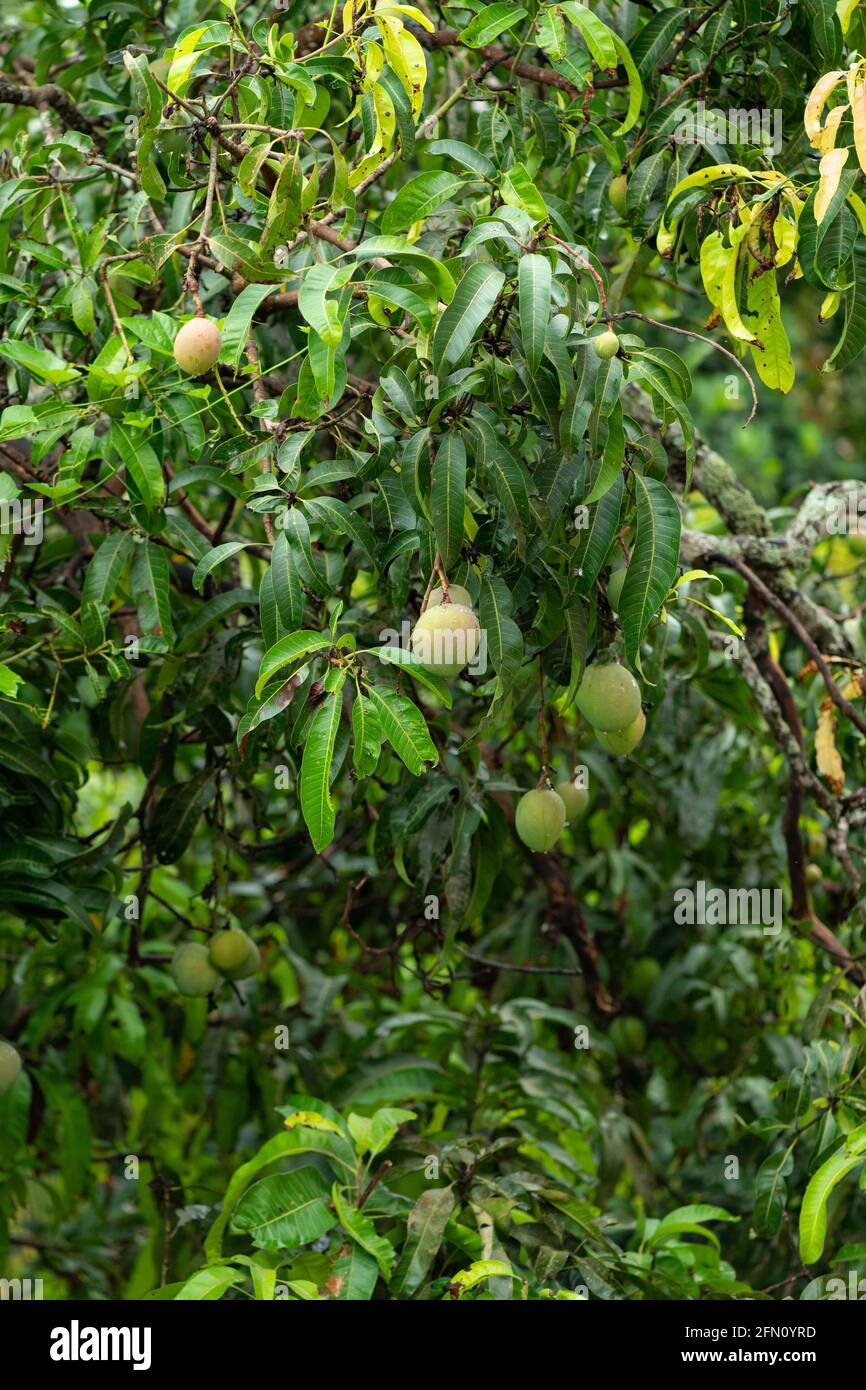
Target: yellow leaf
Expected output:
[858,207]
[826,752]
[816,103]
[773,360]
[857,98]
[845,11]
[417,16]
[785,237]
[729,307]
[311,1119]
[406,57]
[352,11]
[716,173]
[714,263]
[830,169]
[830,305]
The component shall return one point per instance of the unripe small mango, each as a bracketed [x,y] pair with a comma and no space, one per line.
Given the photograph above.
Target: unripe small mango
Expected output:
[614,588]
[814,874]
[816,842]
[456,593]
[606,344]
[197,346]
[193,973]
[10,1066]
[234,954]
[608,696]
[617,194]
[641,975]
[622,741]
[539,819]
[574,798]
[446,638]
[628,1035]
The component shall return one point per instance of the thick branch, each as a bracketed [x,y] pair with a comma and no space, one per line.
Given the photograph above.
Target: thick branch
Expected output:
[49,94]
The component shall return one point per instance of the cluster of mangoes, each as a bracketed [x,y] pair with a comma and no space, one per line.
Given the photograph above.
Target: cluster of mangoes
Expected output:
[609,699]
[231,955]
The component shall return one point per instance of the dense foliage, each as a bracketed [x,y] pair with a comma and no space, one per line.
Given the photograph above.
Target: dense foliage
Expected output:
[299,997]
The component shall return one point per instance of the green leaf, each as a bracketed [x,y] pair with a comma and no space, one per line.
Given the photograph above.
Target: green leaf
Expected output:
[465,154]
[239,321]
[39,362]
[472,304]
[595,34]
[533,281]
[447,496]
[396,656]
[367,736]
[287,585]
[362,1230]
[504,638]
[509,478]
[140,462]
[594,540]
[419,197]
[519,191]
[345,519]
[771,1192]
[289,649]
[404,727]
[425,1230]
[150,577]
[490,22]
[853,336]
[316,804]
[301,1140]
[321,311]
[813,1212]
[613,457]
[213,558]
[397,249]
[176,816]
[106,567]
[653,563]
[286,1210]
[355,1275]
[208,1285]
[243,257]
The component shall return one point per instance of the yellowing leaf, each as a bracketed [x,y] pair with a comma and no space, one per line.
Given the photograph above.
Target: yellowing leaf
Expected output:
[816,103]
[716,173]
[417,16]
[715,257]
[830,305]
[311,1119]
[845,12]
[406,57]
[826,752]
[729,307]
[857,98]
[830,169]
[773,360]
[785,237]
